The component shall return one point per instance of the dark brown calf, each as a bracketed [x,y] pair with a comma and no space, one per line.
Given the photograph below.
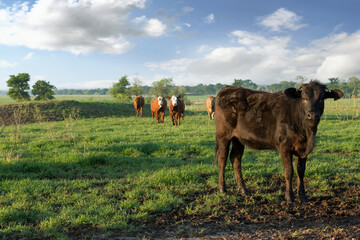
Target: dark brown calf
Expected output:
[158,107]
[138,105]
[284,121]
[176,109]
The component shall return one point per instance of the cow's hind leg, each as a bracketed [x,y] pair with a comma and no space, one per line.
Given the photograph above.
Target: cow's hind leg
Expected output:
[222,152]
[236,154]
[300,167]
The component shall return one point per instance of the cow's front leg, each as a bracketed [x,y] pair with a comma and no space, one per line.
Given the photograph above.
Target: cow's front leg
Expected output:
[162,116]
[172,118]
[300,167]
[288,172]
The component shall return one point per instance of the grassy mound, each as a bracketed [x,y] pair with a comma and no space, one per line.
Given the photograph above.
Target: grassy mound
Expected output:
[31,112]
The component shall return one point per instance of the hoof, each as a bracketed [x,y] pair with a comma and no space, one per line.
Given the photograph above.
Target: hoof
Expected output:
[303,198]
[244,192]
[290,198]
[222,189]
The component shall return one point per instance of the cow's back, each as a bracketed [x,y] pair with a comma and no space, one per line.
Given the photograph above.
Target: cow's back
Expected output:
[251,116]
[154,105]
[181,106]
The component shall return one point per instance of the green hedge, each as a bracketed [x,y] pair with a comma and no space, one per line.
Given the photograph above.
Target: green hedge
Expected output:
[44,111]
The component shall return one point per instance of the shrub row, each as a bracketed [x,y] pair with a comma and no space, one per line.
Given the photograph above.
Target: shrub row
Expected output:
[45,111]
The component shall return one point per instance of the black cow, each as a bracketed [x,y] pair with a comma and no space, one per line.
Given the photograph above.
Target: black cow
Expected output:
[286,121]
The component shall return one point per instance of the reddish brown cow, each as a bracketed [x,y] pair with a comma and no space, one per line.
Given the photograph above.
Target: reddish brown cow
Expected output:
[176,109]
[138,105]
[210,107]
[158,107]
[286,121]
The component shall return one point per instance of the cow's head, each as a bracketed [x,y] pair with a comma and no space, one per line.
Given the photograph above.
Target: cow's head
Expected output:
[160,101]
[174,100]
[312,97]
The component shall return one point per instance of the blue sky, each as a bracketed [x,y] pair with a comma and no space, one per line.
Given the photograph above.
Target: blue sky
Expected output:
[92,43]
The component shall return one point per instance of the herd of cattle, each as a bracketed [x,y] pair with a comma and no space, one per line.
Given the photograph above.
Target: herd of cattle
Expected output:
[176,108]
[286,121]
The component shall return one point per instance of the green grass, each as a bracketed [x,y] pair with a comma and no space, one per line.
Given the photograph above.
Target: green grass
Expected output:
[82,176]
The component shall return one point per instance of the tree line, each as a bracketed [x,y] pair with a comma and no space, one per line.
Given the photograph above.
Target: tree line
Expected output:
[123,89]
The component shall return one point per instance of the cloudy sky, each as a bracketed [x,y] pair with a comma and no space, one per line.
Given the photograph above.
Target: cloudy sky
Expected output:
[92,43]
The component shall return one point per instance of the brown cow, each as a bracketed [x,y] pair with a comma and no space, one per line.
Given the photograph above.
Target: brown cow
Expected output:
[176,109]
[286,121]
[138,105]
[210,107]
[158,107]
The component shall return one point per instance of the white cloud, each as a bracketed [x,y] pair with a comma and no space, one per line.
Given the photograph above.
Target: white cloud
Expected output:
[203,48]
[79,27]
[267,60]
[209,19]
[28,56]
[175,65]
[154,27]
[187,10]
[6,64]
[280,20]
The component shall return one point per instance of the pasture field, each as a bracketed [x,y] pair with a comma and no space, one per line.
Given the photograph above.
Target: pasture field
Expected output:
[102,178]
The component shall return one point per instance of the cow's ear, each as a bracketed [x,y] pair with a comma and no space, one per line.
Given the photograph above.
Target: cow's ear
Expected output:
[179,96]
[293,93]
[168,97]
[335,94]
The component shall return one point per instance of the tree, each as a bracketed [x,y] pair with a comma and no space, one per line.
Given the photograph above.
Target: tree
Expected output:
[301,79]
[43,90]
[136,88]
[18,86]
[334,83]
[245,83]
[119,90]
[162,87]
[178,90]
[354,84]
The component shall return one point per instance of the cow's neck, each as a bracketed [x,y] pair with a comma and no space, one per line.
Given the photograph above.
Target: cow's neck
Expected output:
[308,132]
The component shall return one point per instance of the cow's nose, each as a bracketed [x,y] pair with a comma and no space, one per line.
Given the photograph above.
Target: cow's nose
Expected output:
[313,116]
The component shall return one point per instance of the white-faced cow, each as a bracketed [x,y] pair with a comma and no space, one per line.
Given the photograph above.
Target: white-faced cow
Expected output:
[286,121]
[210,107]
[138,105]
[158,107]
[176,109]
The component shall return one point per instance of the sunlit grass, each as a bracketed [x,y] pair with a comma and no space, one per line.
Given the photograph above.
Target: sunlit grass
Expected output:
[115,173]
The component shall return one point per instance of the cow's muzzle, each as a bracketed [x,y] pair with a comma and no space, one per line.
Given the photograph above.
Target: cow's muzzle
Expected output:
[313,116]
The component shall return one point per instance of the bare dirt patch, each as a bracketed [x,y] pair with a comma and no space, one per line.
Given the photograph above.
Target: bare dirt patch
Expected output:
[336,217]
